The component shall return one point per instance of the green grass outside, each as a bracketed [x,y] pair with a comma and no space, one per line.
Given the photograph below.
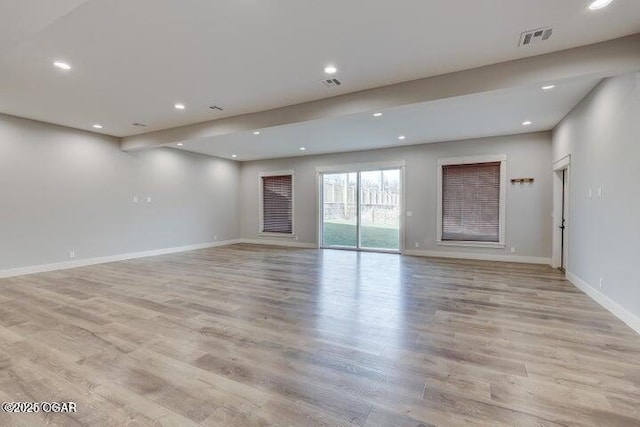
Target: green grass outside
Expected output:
[372,237]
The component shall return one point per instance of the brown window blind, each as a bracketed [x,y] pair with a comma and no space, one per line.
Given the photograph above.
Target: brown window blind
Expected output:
[471,202]
[277,204]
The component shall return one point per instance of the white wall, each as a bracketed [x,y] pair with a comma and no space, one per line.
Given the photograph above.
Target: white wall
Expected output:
[529,207]
[602,135]
[63,189]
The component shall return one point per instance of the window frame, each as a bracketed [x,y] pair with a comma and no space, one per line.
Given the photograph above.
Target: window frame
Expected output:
[502,159]
[261,203]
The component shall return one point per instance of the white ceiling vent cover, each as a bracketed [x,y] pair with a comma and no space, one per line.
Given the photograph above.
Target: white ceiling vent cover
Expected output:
[535,36]
[333,82]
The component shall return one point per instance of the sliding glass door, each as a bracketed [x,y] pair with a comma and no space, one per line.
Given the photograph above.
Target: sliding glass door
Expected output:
[340,210]
[361,210]
[380,209]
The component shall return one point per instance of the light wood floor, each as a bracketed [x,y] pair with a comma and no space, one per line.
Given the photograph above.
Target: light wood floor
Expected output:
[247,335]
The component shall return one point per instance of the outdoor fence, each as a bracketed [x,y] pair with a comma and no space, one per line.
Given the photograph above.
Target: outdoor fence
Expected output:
[377,206]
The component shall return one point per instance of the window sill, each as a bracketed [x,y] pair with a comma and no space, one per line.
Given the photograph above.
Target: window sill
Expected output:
[494,245]
[290,236]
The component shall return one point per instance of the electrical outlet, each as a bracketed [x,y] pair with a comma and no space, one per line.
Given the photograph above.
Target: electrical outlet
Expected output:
[135,199]
[72,254]
[417,245]
[409,213]
[513,250]
[601,283]
[215,238]
[149,199]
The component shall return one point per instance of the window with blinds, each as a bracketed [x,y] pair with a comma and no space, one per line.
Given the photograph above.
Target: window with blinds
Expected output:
[471,202]
[277,204]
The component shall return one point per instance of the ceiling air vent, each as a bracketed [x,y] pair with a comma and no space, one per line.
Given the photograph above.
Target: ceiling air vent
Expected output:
[216,108]
[138,124]
[535,36]
[333,82]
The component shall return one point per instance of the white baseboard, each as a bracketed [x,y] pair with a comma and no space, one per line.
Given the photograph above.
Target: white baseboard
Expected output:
[479,256]
[64,265]
[21,271]
[616,309]
[275,242]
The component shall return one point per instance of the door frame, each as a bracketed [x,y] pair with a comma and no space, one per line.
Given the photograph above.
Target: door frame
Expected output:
[357,168]
[560,251]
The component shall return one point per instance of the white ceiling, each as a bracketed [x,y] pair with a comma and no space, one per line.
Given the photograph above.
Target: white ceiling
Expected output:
[132,60]
[485,114]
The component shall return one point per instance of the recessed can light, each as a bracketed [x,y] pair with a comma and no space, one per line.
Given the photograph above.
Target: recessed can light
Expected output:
[330,69]
[402,137]
[97,126]
[234,155]
[526,123]
[179,144]
[62,65]
[256,132]
[302,148]
[377,114]
[179,106]
[548,87]
[599,4]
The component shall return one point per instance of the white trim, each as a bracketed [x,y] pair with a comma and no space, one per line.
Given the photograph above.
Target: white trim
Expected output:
[562,163]
[502,220]
[65,265]
[277,173]
[469,160]
[616,309]
[319,209]
[285,243]
[556,256]
[293,204]
[471,244]
[362,167]
[403,210]
[283,235]
[479,256]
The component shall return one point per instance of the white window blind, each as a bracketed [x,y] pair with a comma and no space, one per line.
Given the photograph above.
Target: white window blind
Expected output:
[471,202]
[277,204]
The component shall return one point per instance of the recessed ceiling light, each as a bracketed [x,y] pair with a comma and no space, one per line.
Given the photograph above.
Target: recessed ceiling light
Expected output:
[179,144]
[234,155]
[599,4]
[548,87]
[377,114]
[302,148]
[256,132]
[330,69]
[401,137]
[527,123]
[62,65]
[179,106]
[97,126]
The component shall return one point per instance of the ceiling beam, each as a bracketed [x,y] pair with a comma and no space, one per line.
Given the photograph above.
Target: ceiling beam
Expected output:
[598,60]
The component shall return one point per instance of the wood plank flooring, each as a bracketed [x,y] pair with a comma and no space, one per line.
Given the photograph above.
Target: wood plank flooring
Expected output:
[255,336]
